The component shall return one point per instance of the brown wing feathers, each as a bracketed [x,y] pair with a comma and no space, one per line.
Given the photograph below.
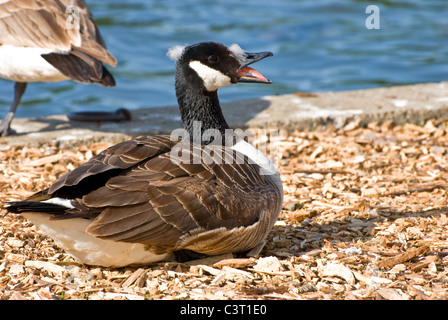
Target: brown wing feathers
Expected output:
[79,69]
[109,163]
[150,199]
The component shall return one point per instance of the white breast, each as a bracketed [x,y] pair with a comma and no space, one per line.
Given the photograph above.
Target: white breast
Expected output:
[256,156]
[70,235]
[27,65]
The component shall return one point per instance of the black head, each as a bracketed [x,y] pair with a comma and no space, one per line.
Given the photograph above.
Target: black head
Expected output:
[214,65]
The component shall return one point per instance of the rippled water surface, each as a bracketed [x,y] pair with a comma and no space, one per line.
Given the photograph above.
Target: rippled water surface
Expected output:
[317,45]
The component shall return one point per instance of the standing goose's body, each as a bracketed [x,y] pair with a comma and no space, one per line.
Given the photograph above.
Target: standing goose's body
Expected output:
[142,200]
[49,40]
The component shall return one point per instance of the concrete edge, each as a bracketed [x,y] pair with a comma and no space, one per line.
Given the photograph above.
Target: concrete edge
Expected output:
[411,103]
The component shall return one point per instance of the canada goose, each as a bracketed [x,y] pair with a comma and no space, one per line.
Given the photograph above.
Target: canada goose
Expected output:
[49,40]
[139,201]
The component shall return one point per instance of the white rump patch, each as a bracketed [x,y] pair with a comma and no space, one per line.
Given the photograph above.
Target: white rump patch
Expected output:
[175,52]
[60,202]
[236,50]
[212,78]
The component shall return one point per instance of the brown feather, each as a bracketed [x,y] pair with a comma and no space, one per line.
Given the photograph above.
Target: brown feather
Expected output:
[50,24]
[150,199]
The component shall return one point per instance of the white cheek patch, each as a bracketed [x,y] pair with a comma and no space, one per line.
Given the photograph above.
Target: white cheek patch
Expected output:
[213,79]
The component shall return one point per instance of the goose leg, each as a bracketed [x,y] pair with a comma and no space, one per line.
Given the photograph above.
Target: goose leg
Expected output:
[19,90]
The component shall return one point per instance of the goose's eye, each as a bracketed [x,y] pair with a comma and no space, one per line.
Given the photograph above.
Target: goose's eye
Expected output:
[213,59]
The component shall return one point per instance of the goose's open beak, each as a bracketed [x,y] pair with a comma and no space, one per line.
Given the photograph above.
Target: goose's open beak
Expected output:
[248,74]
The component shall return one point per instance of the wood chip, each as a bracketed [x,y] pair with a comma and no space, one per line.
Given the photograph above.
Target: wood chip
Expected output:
[210,260]
[339,270]
[44,160]
[139,276]
[392,294]
[425,262]
[269,264]
[234,263]
[208,269]
[406,256]
[20,258]
[48,266]
[16,269]
[364,217]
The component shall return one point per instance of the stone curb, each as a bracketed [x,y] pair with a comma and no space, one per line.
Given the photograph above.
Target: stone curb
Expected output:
[411,103]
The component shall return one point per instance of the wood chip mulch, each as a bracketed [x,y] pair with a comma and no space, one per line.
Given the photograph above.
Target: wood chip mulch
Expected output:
[364,217]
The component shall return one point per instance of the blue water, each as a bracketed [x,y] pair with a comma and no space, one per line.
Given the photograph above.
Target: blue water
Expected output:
[318,45]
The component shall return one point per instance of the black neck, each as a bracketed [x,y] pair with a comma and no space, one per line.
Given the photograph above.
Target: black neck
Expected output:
[200,110]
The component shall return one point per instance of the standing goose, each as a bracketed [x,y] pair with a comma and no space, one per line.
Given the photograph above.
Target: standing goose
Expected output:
[155,198]
[49,40]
